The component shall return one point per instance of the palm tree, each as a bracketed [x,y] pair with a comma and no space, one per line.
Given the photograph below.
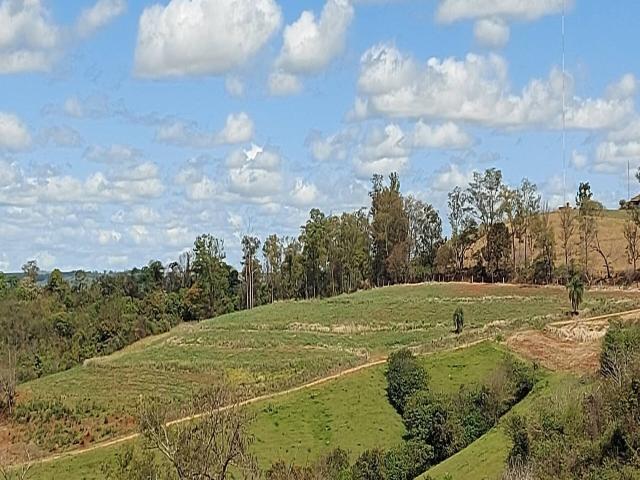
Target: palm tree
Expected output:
[575,287]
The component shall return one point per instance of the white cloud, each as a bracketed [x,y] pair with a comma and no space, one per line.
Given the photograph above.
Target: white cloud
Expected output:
[45,260]
[450,177]
[139,234]
[234,86]
[455,10]
[612,156]
[332,147]
[281,84]
[239,128]
[198,37]
[491,32]
[311,43]
[61,136]
[304,193]
[112,154]
[14,134]
[383,152]
[446,135]
[578,160]
[106,237]
[126,185]
[255,173]
[100,14]
[477,89]
[29,40]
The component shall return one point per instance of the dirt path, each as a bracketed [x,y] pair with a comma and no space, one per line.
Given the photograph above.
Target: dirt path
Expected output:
[269,396]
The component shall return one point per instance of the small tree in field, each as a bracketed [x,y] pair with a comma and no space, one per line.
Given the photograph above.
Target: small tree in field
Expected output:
[575,287]
[458,320]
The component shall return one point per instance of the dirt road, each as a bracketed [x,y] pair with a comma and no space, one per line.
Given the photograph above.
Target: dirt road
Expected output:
[269,396]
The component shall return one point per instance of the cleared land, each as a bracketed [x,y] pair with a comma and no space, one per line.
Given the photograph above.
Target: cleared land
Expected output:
[351,412]
[273,348]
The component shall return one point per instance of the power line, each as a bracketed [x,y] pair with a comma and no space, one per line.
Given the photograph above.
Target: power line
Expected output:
[564,161]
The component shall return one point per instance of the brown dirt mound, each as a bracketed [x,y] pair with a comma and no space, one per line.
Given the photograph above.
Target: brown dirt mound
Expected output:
[555,352]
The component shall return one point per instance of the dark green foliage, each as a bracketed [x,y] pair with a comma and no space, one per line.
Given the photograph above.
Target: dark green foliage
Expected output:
[405,376]
[620,348]
[369,466]
[517,431]
[575,288]
[458,320]
[429,420]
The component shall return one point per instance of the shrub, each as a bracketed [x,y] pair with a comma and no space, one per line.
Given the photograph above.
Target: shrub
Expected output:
[369,466]
[458,320]
[405,376]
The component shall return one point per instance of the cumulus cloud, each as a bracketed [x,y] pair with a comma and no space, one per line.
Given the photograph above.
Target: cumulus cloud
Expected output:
[97,16]
[29,39]
[126,185]
[491,32]
[311,43]
[477,89]
[238,128]
[304,193]
[451,176]
[331,147]
[199,37]
[282,83]
[255,173]
[383,151]
[447,135]
[14,134]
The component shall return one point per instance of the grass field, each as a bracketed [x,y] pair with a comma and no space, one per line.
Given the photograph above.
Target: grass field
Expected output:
[272,348]
[351,412]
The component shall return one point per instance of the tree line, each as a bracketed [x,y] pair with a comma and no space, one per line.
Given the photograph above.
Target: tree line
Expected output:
[496,233]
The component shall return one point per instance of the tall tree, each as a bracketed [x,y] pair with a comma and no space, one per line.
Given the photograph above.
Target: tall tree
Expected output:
[485,197]
[250,247]
[425,237]
[633,242]
[567,229]
[272,250]
[211,274]
[588,210]
[389,230]
[463,226]
[313,239]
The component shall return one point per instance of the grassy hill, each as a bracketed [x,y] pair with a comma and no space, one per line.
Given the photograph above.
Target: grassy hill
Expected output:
[351,412]
[612,241]
[272,348]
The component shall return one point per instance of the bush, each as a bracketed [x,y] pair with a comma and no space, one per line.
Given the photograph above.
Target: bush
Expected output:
[458,320]
[405,376]
[369,466]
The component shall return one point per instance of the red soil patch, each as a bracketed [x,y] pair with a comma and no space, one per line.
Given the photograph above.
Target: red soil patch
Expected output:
[556,353]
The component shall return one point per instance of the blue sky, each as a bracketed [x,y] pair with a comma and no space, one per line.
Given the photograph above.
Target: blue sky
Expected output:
[127,128]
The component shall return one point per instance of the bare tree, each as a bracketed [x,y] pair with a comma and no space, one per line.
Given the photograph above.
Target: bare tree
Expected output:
[567,229]
[19,472]
[210,446]
[632,236]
